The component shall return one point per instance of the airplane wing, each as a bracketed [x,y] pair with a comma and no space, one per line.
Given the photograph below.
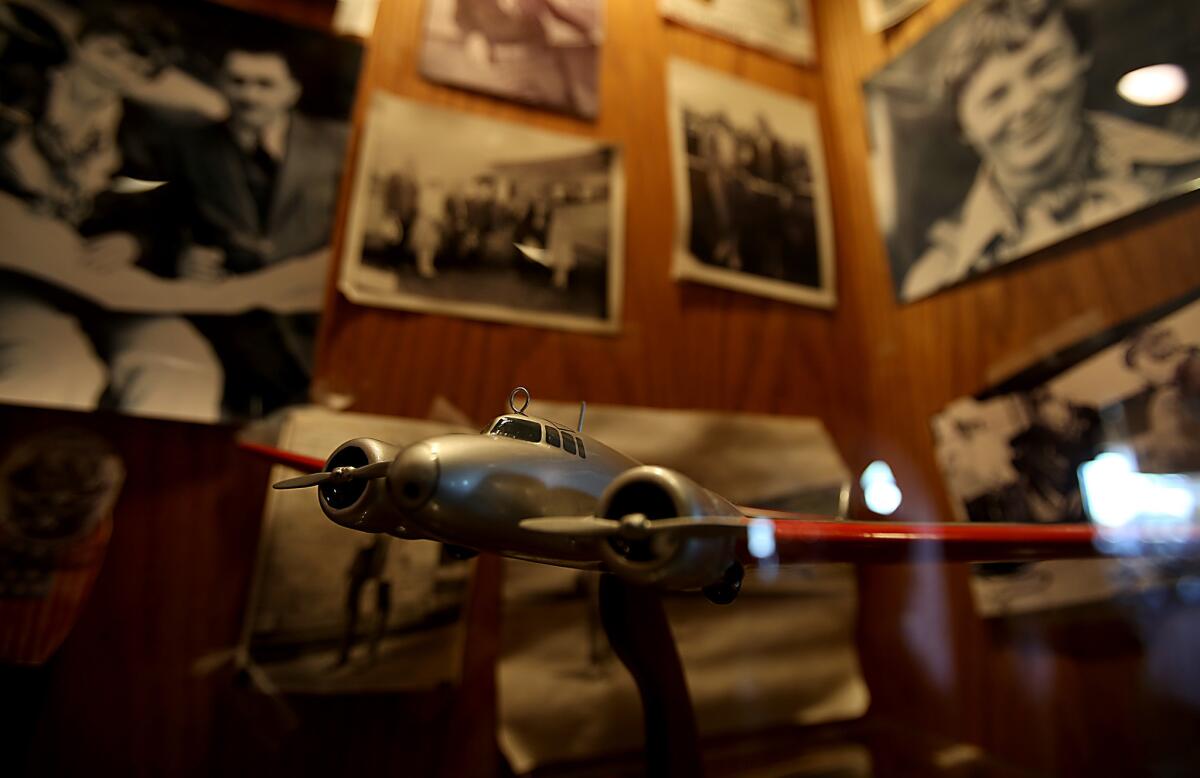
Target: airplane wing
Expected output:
[789,538]
[795,538]
[300,462]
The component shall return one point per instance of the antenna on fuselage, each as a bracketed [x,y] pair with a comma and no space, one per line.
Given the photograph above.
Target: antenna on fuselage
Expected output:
[582,411]
[512,400]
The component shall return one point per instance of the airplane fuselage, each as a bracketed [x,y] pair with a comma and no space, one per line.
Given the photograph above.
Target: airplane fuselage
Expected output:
[484,485]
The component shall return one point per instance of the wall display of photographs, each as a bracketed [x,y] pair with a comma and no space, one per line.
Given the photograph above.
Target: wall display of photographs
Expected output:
[779,27]
[783,654]
[333,610]
[1002,132]
[751,193]
[541,52]
[1013,453]
[168,185]
[485,219]
[878,15]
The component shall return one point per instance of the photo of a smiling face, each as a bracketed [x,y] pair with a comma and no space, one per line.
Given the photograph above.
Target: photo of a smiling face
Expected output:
[1023,110]
[1002,132]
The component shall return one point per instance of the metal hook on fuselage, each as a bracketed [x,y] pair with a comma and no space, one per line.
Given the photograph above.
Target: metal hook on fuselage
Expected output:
[512,400]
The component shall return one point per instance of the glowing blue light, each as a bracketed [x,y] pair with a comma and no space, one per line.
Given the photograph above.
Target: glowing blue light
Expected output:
[879,487]
[760,538]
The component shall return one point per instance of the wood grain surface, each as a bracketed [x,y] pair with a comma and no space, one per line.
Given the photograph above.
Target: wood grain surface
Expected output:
[1070,695]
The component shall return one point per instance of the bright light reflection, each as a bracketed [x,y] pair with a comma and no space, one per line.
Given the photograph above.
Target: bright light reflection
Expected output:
[1117,495]
[760,538]
[879,487]
[127,185]
[1154,85]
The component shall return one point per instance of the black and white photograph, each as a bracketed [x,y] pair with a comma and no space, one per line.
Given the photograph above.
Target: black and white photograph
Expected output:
[168,185]
[1023,450]
[779,27]
[334,611]
[544,53]
[1018,124]
[879,15]
[785,655]
[468,216]
[751,193]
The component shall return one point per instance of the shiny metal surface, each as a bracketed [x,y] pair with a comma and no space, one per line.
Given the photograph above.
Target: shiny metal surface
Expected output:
[475,490]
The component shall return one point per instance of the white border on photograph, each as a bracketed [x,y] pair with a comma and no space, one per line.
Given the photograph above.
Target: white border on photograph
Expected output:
[798,47]
[805,130]
[876,18]
[375,132]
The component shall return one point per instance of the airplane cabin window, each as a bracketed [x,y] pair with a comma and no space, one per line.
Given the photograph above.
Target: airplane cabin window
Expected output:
[521,429]
[582,450]
[552,436]
[568,443]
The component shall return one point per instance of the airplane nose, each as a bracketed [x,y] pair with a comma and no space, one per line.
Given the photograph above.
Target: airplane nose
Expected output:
[413,476]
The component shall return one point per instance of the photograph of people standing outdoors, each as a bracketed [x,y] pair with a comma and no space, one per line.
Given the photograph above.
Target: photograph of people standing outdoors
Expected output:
[751,196]
[167,193]
[1008,129]
[473,217]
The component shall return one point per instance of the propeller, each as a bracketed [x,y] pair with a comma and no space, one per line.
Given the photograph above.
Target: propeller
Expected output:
[635,526]
[339,475]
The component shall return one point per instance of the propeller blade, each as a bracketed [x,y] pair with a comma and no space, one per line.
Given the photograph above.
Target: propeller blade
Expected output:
[373,470]
[338,475]
[577,526]
[302,481]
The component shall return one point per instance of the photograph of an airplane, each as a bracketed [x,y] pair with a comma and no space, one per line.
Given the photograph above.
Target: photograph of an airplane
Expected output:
[533,489]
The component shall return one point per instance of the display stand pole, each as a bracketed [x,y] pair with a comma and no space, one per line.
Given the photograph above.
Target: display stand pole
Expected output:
[637,629]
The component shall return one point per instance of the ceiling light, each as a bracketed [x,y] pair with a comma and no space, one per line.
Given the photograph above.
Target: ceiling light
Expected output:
[1153,85]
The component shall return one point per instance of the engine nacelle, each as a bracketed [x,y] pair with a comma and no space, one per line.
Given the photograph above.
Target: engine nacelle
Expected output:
[668,559]
[363,504]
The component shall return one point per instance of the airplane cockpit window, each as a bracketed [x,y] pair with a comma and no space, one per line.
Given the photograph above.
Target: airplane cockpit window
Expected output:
[568,443]
[521,429]
[582,450]
[552,436]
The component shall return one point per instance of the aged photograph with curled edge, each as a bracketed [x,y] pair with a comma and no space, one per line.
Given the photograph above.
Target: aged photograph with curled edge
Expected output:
[542,52]
[168,185]
[1106,431]
[468,216]
[337,612]
[779,27]
[1017,124]
[751,193]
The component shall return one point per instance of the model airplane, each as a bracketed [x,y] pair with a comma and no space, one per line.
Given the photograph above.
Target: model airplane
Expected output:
[530,488]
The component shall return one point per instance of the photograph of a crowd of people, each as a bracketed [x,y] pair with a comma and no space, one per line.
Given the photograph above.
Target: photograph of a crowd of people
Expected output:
[1003,132]
[168,184]
[752,202]
[1014,452]
[485,219]
[780,27]
[542,52]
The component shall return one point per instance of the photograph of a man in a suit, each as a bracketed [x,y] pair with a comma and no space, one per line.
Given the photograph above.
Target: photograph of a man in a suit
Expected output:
[252,190]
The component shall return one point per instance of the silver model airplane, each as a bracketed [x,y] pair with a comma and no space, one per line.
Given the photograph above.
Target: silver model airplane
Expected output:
[532,489]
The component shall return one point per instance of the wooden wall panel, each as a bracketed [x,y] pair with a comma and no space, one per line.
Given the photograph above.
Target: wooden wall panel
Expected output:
[681,346]
[122,697]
